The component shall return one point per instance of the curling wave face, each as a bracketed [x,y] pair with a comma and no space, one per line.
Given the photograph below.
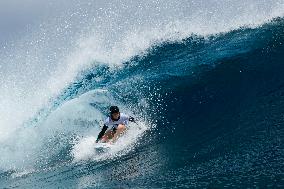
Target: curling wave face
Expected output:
[188,82]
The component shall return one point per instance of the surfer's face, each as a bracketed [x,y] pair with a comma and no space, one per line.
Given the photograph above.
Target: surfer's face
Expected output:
[115,115]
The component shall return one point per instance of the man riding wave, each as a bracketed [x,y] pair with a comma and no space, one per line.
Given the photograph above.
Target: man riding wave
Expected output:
[114,125]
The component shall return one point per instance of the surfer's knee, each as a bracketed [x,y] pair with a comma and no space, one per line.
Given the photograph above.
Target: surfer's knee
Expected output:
[121,127]
[108,135]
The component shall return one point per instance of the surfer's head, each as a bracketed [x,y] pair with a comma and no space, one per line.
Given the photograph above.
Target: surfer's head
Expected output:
[114,113]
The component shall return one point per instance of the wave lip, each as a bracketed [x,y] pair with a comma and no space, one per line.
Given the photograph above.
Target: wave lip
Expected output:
[114,40]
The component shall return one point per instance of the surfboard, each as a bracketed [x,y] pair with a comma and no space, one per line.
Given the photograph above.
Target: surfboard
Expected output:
[102,147]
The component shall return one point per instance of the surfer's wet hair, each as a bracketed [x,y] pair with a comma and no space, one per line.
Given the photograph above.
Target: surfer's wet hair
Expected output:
[113,109]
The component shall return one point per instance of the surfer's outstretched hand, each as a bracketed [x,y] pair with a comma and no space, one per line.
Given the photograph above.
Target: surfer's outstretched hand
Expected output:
[131,119]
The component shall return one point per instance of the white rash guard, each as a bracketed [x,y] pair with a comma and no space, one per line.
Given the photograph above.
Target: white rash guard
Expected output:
[123,119]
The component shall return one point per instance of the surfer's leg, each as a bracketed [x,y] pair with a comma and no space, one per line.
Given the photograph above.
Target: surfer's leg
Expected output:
[107,136]
[119,130]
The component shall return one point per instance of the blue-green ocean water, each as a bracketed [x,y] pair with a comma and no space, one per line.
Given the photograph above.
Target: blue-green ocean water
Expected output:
[210,115]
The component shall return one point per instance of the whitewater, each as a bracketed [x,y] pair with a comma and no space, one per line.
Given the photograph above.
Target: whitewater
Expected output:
[203,79]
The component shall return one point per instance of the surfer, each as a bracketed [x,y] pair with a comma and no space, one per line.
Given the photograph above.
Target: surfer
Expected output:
[114,125]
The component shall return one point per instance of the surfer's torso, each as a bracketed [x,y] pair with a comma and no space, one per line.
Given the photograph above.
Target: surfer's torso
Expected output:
[123,119]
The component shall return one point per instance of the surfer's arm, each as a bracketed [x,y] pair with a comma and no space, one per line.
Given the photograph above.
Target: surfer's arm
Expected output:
[101,134]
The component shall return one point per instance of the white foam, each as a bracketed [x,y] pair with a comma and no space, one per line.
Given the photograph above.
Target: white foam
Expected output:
[84,149]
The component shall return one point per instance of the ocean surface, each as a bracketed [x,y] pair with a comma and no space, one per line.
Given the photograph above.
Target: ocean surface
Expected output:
[207,93]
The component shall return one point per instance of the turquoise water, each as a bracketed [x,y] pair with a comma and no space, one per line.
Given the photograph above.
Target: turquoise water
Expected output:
[209,111]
